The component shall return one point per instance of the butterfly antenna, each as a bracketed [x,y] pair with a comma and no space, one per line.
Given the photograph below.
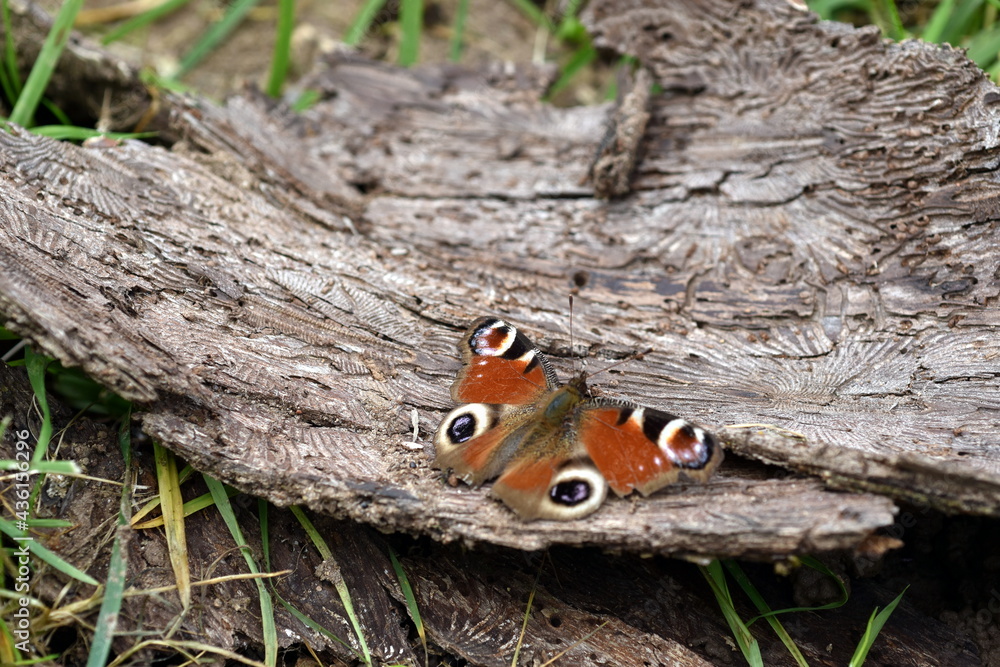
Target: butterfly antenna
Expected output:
[632,357]
[572,341]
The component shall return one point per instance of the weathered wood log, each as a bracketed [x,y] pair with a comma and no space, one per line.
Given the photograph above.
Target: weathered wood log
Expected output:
[802,249]
[808,244]
[472,603]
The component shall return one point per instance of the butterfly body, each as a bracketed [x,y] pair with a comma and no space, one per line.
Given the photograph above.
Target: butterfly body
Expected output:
[556,450]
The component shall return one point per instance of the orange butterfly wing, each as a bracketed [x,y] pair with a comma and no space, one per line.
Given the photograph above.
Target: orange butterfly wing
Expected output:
[501,366]
[644,449]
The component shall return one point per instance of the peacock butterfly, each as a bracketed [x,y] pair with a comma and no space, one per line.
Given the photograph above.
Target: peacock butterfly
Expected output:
[554,449]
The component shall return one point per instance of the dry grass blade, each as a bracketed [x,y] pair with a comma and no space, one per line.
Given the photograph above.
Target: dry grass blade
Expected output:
[172,505]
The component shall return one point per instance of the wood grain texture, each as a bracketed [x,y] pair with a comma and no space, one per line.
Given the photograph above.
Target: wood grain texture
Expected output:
[808,244]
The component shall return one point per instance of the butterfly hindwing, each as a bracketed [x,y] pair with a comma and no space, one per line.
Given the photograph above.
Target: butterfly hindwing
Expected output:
[501,366]
[642,448]
[477,440]
[551,488]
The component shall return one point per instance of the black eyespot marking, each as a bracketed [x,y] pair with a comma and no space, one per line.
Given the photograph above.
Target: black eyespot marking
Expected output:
[518,348]
[489,337]
[624,415]
[570,492]
[532,365]
[461,428]
[653,423]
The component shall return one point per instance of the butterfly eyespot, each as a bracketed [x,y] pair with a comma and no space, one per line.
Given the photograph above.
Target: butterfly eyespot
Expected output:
[493,338]
[463,424]
[686,445]
[576,490]
[571,492]
[462,428]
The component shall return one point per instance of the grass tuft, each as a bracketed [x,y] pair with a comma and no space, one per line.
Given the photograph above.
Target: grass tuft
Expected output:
[24,109]
[716,578]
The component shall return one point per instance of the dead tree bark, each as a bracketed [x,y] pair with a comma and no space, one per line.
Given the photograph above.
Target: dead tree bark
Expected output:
[808,246]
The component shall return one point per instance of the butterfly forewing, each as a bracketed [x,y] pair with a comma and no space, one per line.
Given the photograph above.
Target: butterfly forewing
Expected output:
[501,366]
[644,449]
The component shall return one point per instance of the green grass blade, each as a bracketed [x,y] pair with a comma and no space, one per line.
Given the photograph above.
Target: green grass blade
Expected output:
[46,467]
[939,19]
[114,587]
[581,58]
[282,48]
[51,523]
[10,78]
[321,546]
[269,628]
[744,582]
[189,508]
[43,554]
[310,623]
[458,31]
[151,78]
[411,601]
[886,16]
[306,100]
[524,626]
[965,20]
[515,660]
[411,16]
[362,24]
[36,365]
[828,8]
[74,133]
[815,564]
[716,579]
[875,623]
[341,585]
[215,35]
[24,109]
[265,543]
[58,113]
[984,46]
[145,18]
[7,643]
[534,13]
